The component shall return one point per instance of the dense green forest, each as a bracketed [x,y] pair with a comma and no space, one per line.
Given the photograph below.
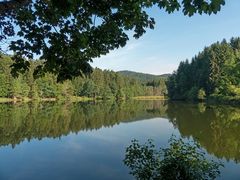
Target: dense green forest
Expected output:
[102,84]
[213,74]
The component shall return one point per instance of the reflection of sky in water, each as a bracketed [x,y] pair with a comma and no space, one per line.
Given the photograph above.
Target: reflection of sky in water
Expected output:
[231,171]
[86,155]
[96,154]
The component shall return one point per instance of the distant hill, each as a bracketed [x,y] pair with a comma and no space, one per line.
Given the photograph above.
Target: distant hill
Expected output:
[143,76]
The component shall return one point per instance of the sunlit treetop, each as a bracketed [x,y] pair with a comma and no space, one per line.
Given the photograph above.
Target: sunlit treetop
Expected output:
[67,34]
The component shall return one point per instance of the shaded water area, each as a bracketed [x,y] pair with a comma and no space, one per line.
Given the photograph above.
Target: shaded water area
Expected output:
[88,140]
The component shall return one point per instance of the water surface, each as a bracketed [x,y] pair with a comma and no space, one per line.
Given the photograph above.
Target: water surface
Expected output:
[88,140]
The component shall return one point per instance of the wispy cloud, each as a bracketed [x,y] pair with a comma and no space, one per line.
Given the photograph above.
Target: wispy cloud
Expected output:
[117,58]
[135,57]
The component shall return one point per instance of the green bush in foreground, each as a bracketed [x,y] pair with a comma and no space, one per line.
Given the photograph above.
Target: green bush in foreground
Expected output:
[180,160]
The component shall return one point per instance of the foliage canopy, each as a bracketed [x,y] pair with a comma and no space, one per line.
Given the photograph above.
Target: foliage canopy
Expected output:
[68,34]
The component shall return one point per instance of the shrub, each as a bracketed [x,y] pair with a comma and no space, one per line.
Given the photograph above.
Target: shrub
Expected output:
[181,160]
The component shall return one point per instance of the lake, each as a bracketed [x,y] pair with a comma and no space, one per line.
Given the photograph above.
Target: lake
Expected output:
[88,140]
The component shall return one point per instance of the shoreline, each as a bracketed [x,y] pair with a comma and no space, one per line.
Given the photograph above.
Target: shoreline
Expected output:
[149,98]
[24,100]
[72,99]
[210,101]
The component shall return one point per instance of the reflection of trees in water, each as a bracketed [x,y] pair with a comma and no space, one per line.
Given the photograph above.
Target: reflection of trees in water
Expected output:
[215,127]
[28,121]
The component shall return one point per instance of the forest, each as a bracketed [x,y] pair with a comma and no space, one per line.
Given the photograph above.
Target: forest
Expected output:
[100,84]
[213,75]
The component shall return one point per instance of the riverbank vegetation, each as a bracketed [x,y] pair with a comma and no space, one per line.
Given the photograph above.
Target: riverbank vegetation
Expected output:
[100,84]
[150,98]
[213,75]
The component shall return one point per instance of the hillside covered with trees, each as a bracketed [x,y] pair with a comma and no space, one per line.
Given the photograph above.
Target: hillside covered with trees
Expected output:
[155,85]
[143,77]
[98,85]
[213,74]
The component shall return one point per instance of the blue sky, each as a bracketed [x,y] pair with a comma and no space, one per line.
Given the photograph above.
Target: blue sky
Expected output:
[175,38]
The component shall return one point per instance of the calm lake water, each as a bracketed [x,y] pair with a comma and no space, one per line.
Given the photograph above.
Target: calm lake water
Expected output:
[88,140]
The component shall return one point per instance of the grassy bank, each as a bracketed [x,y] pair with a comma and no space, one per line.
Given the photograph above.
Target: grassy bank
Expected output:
[79,98]
[25,99]
[150,98]
[5,100]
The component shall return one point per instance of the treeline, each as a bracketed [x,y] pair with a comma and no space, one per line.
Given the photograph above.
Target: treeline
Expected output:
[99,84]
[213,74]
